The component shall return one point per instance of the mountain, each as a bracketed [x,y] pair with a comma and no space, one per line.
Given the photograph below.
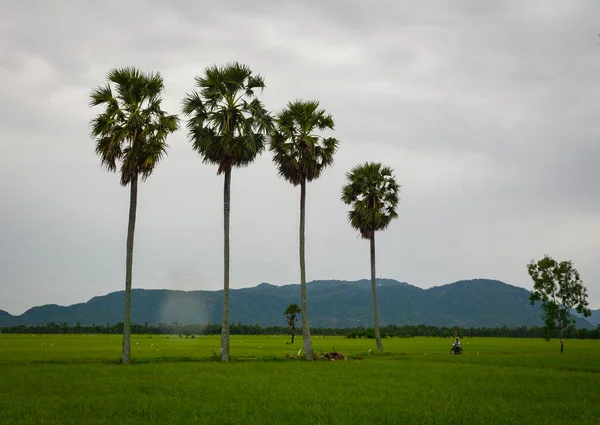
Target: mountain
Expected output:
[594,319]
[332,303]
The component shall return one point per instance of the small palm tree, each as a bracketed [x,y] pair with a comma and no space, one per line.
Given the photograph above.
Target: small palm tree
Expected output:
[373,193]
[130,136]
[291,312]
[227,127]
[301,155]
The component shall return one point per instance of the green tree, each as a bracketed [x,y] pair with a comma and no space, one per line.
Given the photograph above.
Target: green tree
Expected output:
[130,137]
[301,155]
[373,193]
[227,126]
[291,312]
[560,289]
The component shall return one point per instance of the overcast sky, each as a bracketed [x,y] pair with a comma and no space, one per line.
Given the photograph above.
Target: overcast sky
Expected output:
[487,111]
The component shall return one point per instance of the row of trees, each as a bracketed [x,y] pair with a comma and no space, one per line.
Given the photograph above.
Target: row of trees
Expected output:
[229,127]
[359,332]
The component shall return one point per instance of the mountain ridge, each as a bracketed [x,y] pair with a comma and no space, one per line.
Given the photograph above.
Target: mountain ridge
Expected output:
[332,303]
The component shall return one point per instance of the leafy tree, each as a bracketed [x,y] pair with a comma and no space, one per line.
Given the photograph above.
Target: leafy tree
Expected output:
[560,289]
[227,126]
[130,137]
[301,155]
[373,193]
[291,312]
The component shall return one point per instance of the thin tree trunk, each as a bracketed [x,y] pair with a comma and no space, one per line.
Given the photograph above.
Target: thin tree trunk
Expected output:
[126,352]
[562,347]
[374,291]
[308,349]
[225,321]
[293,328]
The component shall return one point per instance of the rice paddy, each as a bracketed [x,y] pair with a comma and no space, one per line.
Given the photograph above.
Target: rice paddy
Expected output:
[76,379]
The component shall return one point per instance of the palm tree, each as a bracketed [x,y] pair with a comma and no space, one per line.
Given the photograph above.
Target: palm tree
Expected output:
[291,312]
[373,192]
[227,127]
[131,135]
[301,155]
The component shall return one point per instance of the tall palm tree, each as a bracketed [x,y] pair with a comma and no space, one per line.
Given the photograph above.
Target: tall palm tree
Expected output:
[130,136]
[291,312]
[227,127]
[373,193]
[301,155]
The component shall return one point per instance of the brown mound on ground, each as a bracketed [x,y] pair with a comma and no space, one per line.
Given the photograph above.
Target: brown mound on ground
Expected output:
[333,356]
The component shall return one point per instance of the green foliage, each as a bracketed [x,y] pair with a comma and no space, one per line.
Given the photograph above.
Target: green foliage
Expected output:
[291,312]
[292,309]
[299,153]
[372,191]
[559,288]
[227,123]
[131,133]
[404,331]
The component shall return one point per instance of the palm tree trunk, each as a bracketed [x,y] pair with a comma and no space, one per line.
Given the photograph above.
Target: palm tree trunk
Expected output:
[225,321]
[308,350]
[374,293]
[293,328]
[126,352]
[562,347]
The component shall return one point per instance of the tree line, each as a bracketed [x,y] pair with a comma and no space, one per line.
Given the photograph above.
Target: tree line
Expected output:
[228,126]
[388,331]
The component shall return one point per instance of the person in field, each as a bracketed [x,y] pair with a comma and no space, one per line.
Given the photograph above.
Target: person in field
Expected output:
[456,349]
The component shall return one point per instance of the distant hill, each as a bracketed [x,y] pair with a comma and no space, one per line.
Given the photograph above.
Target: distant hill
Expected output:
[332,303]
[594,319]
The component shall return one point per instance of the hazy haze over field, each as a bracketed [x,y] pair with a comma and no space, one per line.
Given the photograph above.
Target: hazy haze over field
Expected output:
[487,111]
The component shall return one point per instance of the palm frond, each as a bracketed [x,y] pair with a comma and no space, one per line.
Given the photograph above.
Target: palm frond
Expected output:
[102,95]
[227,125]
[133,128]
[254,82]
[372,192]
[300,154]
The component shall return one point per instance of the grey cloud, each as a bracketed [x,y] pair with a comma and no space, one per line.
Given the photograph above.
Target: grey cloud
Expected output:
[486,111]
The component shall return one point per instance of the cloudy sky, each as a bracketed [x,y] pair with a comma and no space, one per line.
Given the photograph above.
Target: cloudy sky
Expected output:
[487,111]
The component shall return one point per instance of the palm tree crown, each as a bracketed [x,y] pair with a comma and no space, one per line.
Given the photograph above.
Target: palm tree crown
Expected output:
[227,124]
[373,192]
[292,310]
[299,153]
[133,128]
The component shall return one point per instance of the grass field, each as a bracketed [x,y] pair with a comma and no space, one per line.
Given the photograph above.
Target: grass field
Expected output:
[75,379]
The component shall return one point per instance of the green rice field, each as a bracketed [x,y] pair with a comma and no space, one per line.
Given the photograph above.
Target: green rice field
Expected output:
[76,379]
